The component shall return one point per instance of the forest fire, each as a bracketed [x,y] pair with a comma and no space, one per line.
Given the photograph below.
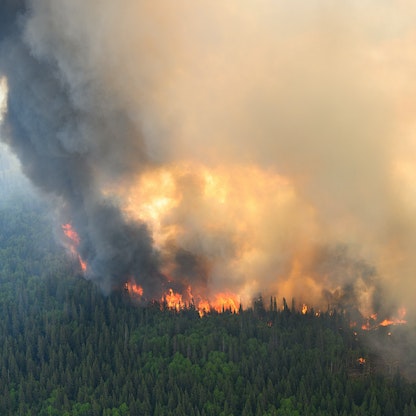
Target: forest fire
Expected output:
[71,234]
[133,289]
[219,301]
[361,361]
[225,301]
[73,243]
[373,322]
[200,217]
[173,300]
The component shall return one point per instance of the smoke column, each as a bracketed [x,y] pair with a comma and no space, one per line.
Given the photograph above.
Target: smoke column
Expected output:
[48,126]
[233,146]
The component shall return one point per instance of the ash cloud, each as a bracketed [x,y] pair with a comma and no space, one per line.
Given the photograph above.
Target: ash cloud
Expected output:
[304,111]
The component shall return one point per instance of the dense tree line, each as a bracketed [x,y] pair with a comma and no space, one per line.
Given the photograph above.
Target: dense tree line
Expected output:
[68,350]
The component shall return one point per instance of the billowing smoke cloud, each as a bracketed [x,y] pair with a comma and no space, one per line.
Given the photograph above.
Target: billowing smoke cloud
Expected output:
[52,130]
[242,147]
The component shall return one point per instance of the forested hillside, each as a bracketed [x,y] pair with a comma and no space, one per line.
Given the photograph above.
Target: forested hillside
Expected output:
[68,350]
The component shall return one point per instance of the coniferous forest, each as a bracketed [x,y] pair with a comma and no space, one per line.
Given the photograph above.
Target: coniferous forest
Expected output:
[66,349]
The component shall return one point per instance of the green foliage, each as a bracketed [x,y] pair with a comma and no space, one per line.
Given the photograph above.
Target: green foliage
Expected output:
[68,350]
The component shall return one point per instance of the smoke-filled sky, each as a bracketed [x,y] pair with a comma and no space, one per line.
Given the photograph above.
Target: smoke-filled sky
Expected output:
[236,146]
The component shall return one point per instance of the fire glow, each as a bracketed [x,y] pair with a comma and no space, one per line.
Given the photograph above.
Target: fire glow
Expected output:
[372,322]
[134,289]
[229,221]
[172,300]
[73,243]
[218,301]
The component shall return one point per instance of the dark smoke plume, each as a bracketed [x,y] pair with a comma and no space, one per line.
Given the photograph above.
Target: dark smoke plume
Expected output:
[46,126]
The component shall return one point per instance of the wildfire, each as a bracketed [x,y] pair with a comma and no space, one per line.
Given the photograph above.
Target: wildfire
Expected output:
[304,309]
[176,301]
[225,301]
[372,323]
[210,211]
[220,302]
[82,263]
[71,233]
[203,307]
[388,322]
[173,300]
[73,243]
[134,289]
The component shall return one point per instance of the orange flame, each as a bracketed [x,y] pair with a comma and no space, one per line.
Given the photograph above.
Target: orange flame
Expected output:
[304,309]
[210,198]
[173,300]
[372,323]
[134,289]
[219,302]
[82,263]
[74,241]
[388,322]
[71,233]
[203,307]
[225,301]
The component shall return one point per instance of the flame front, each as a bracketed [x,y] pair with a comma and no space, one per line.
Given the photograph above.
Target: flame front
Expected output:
[219,302]
[225,302]
[173,300]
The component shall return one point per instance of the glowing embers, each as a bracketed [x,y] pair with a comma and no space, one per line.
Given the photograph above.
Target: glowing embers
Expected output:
[72,243]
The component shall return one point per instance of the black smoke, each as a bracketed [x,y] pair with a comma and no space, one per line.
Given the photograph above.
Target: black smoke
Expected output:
[46,128]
